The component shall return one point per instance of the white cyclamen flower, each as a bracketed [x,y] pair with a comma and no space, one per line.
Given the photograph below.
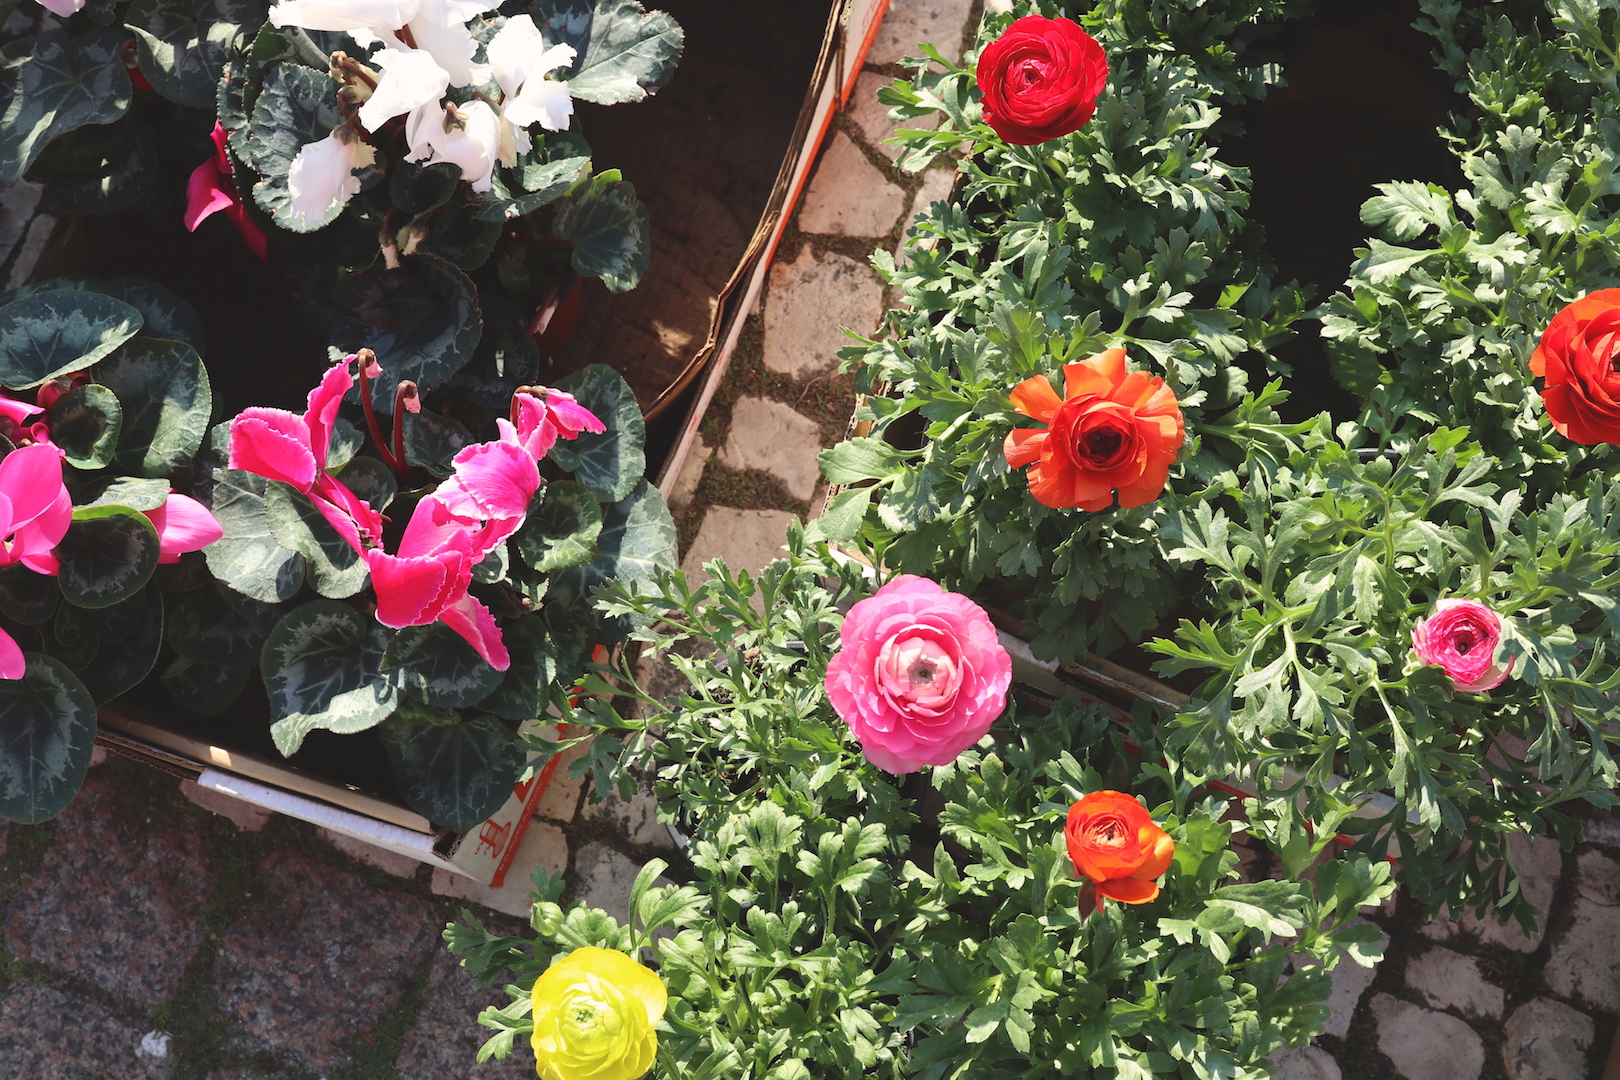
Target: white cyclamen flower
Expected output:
[521,59]
[410,79]
[63,8]
[440,28]
[350,15]
[475,146]
[322,176]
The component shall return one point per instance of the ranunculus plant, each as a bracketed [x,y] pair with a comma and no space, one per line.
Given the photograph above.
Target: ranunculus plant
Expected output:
[832,920]
[434,585]
[105,404]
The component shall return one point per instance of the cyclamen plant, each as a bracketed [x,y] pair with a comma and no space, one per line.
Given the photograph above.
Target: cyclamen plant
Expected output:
[105,403]
[455,622]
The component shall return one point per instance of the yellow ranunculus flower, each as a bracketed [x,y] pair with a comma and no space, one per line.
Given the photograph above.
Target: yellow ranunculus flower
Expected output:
[594,1014]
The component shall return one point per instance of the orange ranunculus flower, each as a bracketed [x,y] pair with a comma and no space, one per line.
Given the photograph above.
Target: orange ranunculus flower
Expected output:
[1116,846]
[1113,430]
[1577,355]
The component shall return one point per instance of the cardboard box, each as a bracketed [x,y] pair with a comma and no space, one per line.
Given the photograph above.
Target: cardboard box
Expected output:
[486,853]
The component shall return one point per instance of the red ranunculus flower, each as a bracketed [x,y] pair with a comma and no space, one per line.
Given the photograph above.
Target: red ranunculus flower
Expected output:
[1113,429]
[1116,846]
[1577,356]
[1040,79]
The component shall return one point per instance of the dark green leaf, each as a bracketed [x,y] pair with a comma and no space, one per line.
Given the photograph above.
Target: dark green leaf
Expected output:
[436,665]
[526,686]
[370,479]
[333,567]
[108,555]
[320,667]
[432,441]
[52,333]
[248,558]
[163,388]
[183,43]
[454,776]
[26,597]
[99,170]
[125,658]
[64,84]
[84,423]
[297,106]
[166,313]
[47,730]
[612,463]
[206,689]
[417,188]
[562,531]
[206,627]
[133,492]
[608,226]
[637,541]
[624,51]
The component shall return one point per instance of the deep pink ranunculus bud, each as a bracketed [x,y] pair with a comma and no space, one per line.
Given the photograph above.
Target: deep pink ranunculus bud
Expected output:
[183,524]
[920,675]
[1462,636]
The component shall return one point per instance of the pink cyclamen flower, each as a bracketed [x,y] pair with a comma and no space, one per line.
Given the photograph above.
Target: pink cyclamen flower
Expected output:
[543,414]
[183,524]
[1461,636]
[280,445]
[920,675]
[35,512]
[212,189]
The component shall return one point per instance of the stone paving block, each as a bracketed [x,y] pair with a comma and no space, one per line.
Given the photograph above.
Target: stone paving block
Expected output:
[746,539]
[243,815]
[1582,963]
[1450,980]
[543,845]
[46,1034]
[1350,981]
[936,187]
[31,248]
[1305,1063]
[604,878]
[1604,830]
[317,957]
[871,117]
[691,474]
[769,436]
[1597,877]
[1425,1045]
[1546,1040]
[940,23]
[443,1043]
[114,903]
[1540,863]
[391,862]
[636,820]
[809,300]
[848,196]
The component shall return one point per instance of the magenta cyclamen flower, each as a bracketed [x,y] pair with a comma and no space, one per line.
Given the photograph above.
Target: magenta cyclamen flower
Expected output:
[280,445]
[920,675]
[1462,636]
[35,511]
[183,524]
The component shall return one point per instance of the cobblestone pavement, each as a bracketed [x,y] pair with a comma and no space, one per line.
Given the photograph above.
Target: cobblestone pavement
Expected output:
[161,933]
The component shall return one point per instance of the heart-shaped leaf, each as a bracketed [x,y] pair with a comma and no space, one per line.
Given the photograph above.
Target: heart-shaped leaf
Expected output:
[183,43]
[99,170]
[334,568]
[321,669]
[134,492]
[437,666]
[207,628]
[454,776]
[163,388]
[526,686]
[612,463]
[561,532]
[637,542]
[84,424]
[47,731]
[65,83]
[205,689]
[623,50]
[248,557]
[52,333]
[167,314]
[609,230]
[108,555]
[432,441]
[26,597]
[124,642]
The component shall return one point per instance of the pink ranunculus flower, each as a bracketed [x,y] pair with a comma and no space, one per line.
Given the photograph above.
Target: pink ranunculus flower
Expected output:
[920,675]
[280,445]
[1462,636]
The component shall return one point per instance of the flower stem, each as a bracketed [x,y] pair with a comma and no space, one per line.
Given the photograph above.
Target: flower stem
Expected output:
[405,400]
[368,360]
